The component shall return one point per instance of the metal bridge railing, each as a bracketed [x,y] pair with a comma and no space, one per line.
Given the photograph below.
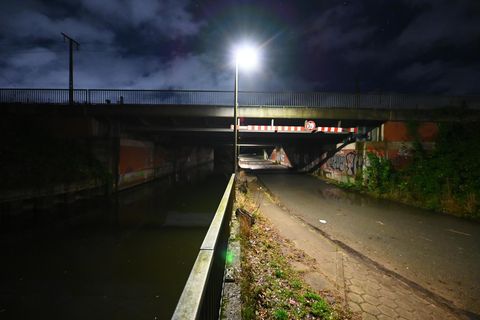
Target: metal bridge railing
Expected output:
[170,97]
[246,98]
[43,96]
[201,296]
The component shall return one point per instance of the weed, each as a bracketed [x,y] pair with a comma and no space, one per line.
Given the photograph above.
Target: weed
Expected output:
[312,296]
[296,284]
[280,314]
[248,312]
[279,273]
[321,309]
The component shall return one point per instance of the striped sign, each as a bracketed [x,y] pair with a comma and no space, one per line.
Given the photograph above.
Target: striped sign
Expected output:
[293,129]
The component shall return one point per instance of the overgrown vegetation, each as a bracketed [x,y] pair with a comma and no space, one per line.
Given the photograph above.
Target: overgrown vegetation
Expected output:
[271,289]
[32,158]
[447,179]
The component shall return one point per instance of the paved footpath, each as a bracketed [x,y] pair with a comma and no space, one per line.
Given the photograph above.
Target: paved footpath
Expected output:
[365,286]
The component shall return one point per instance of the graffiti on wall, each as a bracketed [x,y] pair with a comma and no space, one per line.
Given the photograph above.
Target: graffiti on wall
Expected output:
[278,155]
[347,163]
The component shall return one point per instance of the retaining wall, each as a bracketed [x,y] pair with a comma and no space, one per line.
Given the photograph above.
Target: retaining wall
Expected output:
[397,144]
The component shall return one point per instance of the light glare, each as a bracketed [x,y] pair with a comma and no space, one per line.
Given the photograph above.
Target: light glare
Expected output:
[246,56]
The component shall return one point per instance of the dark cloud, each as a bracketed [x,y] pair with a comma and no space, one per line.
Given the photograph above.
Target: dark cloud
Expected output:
[439,76]
[339,28]
[403,45]
[166,18]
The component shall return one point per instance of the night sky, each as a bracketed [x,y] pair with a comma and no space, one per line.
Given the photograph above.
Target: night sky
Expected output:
[418,46]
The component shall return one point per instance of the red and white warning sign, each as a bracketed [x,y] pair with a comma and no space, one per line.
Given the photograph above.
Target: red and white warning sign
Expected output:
[310,125]
[293,129]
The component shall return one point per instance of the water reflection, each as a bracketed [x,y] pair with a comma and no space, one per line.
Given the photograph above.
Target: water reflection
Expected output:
[127,258]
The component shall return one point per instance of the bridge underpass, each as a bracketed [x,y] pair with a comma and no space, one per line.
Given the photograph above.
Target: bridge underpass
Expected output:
[256,135]
[170,117]
[173,127]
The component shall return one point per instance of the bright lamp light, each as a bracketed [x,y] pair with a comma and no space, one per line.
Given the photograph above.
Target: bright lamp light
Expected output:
[246,57]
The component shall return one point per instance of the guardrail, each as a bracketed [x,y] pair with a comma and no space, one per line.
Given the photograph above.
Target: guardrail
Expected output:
[201,296]
[246,98]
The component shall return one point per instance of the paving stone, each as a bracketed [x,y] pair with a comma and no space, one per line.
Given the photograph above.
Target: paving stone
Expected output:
[371,284]
[356,289]
[388,294]
[368,316]
[387,311]
[371,299]
[369,308]
[424,314]
[357,282]
[384,317]
[354,307]
[404,313]
[388,302]
[355,297]
[404,304]
[373,292]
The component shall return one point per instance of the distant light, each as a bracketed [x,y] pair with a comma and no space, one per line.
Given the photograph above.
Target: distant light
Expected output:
[246,56]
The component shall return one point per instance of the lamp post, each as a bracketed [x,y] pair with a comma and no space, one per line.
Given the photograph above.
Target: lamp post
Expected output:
[235,129]
[246,57]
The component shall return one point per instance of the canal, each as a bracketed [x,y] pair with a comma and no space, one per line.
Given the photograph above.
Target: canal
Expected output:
[127,258]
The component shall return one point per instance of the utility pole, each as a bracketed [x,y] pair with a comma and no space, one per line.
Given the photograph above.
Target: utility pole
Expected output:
[70,73]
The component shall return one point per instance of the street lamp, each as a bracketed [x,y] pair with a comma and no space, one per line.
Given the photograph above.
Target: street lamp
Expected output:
[246,58]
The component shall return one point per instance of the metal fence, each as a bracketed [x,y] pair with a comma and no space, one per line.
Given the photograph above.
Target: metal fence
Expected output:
[246,98]
[201,296]
[43,96]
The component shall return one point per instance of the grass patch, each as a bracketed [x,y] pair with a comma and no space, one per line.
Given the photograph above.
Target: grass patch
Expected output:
[271,289]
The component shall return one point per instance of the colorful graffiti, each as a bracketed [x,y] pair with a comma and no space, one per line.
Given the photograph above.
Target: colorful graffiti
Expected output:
[348,163]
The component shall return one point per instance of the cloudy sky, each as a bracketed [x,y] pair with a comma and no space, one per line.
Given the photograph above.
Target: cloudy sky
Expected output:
[424,46]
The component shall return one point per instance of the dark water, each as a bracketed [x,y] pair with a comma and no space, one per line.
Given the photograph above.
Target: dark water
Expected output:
[107,260]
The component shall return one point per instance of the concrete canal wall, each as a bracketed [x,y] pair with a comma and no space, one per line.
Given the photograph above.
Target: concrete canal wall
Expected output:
[143,161]
[82,157]
[393,140]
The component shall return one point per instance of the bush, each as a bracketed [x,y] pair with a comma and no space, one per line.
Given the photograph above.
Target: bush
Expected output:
[380,175]
[447,179]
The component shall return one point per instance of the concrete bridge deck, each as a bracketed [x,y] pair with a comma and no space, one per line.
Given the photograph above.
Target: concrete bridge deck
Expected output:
[219,104]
